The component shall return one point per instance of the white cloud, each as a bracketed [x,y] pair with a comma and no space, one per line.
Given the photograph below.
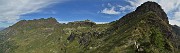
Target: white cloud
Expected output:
[11,10]
[176,19]
[109,4]
[177,16]
[110,11]
[127,7]
[169,6]
[115,9]
[174,22]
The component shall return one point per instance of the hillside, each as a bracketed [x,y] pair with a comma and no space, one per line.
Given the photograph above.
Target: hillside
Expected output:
[46,35]
[145,30]
[176,31]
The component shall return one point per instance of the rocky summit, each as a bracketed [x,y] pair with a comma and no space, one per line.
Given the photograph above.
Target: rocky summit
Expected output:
[145,30]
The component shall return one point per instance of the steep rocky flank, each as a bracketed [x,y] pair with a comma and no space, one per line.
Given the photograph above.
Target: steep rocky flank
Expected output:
[176,31]
[146,29]
[154,7]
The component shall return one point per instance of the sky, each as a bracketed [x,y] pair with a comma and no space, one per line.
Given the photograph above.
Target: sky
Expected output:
[99,11]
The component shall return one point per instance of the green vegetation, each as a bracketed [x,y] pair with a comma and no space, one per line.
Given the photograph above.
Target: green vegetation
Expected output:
[143,31]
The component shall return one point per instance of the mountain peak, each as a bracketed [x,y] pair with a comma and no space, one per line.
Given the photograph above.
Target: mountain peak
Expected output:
[149,6]
[49,22]
[154,7]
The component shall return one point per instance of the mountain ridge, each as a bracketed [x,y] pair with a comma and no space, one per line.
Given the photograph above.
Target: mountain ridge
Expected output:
[145,16]
[145,30]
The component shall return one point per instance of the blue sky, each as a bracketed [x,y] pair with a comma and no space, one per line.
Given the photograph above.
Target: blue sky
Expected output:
[78,10]
[99,11]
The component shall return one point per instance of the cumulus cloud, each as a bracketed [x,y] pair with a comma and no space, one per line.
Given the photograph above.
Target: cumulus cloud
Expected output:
[174,22]
[11,10]
[171,7]
[115,9]
[176,19]
[123,8]
[177,16]
[110,11]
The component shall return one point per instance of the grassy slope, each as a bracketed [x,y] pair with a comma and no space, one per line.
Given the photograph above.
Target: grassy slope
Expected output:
[51,39]
[141,31]
[144,29]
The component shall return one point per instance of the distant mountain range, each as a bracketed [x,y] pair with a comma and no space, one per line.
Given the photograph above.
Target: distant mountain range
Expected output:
[145,30]
[1,28]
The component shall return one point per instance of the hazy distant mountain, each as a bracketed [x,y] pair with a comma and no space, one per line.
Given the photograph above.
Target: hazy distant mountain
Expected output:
[145,30]
[1,28]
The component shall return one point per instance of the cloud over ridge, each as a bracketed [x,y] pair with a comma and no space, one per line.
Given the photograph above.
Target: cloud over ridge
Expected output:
[171,7]
[11,10]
